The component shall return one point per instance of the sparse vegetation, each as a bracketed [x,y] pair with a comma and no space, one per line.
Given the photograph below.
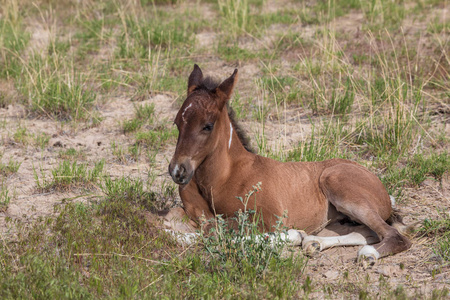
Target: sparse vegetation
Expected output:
[5,197]
[10,168]
[68,175]
[88,93]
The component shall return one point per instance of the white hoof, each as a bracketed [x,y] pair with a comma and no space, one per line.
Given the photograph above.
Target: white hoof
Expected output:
[368,255]
[294,237]
[312,245]
[186,238]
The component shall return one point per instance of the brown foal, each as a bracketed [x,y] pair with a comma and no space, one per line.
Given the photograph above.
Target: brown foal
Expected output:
[212,167]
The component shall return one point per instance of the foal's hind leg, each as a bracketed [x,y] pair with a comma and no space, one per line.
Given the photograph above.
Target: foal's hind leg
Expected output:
[360,195]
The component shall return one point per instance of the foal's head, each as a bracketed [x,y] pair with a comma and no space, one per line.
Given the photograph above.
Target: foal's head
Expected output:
[200,123]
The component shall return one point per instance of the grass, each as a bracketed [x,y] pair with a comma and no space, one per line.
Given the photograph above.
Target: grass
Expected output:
[54,91]
[69,175]
[439,230]
[5,197]
[143,114]
[10,168]
[72,154]
[96,242]
[363,80]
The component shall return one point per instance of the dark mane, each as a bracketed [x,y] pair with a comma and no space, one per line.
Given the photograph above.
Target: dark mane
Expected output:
[209,84]
[239,131]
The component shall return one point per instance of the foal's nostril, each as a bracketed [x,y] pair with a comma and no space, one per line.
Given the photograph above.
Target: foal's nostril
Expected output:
[180,173]
[182,170]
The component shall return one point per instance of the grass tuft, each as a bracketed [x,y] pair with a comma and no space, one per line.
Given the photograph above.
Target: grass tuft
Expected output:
[70,175]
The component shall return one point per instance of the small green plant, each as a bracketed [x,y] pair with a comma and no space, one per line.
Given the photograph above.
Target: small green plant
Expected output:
[236,14]
[72,154]
[157,138]
[5,198]
[124,191]
[53,91]
[13,40]
[319,147]
[21,136]
[118,152]
[131,125]
[10,168]
[415,171]
[42,139]
[341,103]
[144,114]
[238,242]
[440,230]
[68,175]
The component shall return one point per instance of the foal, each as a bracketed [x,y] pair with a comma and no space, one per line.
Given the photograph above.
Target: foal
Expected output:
[212,167]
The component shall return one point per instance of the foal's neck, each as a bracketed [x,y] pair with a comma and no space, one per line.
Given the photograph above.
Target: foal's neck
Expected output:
[225,159]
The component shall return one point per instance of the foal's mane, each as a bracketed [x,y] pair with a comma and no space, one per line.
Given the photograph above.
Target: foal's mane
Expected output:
[209,84]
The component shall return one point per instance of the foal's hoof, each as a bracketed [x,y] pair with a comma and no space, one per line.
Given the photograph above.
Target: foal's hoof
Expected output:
[311,246]
[368,256]
[294,237]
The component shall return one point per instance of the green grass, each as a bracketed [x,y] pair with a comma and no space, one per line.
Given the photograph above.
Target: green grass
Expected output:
[13,40]
[156,138]
[10,168]
[416,171]
[107,249]
[5,196]
[144,114]
[72,154]
[439,230]
[70,175]
[55,92]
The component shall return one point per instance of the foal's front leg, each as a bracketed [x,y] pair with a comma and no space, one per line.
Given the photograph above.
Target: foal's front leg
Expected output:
[195,205]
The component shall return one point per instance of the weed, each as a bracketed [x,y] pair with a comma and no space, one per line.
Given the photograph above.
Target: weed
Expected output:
[135,151]
[144,114]
[118,152]
[5,198]
[157,138]
[282,88]
[341,104]
[10,168]
[21,136]
[69,175]
[317,148]
[42,140]
[235,14]
[440,229]
[415,171]
[122,191]
[52,92]
[233,53]
[131,125]
[72,154]
[238,249]
[13,40]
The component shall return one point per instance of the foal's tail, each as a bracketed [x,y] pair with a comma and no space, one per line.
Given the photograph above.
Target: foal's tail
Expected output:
[396,221]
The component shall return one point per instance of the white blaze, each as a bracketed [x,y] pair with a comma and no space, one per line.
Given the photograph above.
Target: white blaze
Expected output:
[182,115]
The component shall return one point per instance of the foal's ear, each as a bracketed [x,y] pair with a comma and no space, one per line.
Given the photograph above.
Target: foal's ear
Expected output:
[195,79]
[225,89]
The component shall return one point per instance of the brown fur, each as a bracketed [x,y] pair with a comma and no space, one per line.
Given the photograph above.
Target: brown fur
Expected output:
[211,174]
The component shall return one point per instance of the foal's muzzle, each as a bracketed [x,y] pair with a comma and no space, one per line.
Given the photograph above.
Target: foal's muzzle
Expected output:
[181,173]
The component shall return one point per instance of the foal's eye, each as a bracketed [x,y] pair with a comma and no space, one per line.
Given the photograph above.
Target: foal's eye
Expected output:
[208,127]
